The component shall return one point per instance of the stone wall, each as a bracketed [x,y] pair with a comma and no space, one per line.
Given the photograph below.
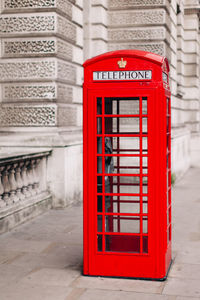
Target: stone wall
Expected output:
[41,78]
[169,28]
[41,57]
[95,27]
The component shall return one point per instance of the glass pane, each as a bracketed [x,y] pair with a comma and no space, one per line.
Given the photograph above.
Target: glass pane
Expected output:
[126,145]
[145,185]
[99,125]
[123,207]
[122,125]
[145,165]
[122,184]
[144,145]
[99,164]
[144,105]
[99,106]
[145,225]
[126,164]
[145,244]
[99,242]
[144,125]
[145,208]
[123,224]
[123,243]
[99,184]
[99,145]
[99,223]
[99,203]
[121,106]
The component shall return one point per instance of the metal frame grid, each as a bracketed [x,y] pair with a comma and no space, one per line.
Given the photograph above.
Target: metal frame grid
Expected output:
[141,216]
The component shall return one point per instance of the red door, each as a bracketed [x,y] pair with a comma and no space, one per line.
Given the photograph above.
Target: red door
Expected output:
[120,224]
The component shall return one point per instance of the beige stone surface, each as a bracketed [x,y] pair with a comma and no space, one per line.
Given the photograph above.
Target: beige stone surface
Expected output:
[118,295]
[42,259]
[186,287]
[119,284]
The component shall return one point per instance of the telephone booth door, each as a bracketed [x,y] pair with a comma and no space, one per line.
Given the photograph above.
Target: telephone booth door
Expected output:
[122,205]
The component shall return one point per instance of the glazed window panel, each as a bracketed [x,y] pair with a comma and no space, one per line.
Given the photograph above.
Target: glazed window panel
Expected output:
[122,125]
[122,106]
[123,224]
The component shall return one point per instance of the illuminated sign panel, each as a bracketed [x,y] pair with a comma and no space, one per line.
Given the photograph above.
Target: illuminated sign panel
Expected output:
[122,75]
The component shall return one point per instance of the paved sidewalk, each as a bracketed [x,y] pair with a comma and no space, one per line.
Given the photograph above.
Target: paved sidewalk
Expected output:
[42,259]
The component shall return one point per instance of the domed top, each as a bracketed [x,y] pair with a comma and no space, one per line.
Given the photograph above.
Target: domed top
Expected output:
[155,58]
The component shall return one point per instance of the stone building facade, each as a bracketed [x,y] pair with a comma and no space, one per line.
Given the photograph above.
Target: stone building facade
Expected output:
[43,44]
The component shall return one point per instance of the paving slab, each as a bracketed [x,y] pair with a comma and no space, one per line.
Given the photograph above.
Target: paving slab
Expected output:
[9,256]
[190,271]
[10,275]
[21,291]
[51,277]
[10,243]
[94,294]
[42,259]
[180,287]
[116,284]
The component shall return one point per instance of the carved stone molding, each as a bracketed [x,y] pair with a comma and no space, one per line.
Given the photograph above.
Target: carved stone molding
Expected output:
[133,3]
[26,47]
[158,48]
[14,24]
[120,18]
[26,5]
[40,115]
[136,34]
[37,23]
[11,4]
[32,69]
[33,91]
[25,92]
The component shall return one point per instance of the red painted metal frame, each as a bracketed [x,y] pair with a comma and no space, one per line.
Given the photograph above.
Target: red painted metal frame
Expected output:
[155,263]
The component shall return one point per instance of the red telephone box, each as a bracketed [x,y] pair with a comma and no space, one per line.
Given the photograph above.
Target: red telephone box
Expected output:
[127,165]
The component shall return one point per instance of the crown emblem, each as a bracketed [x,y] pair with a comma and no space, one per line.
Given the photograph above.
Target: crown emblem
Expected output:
[122,63]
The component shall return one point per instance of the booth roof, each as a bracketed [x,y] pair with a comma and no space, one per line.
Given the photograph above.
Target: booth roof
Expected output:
[155,58]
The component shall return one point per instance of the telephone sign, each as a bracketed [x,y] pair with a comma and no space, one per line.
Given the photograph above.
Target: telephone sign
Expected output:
[122,75]
[127,165]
